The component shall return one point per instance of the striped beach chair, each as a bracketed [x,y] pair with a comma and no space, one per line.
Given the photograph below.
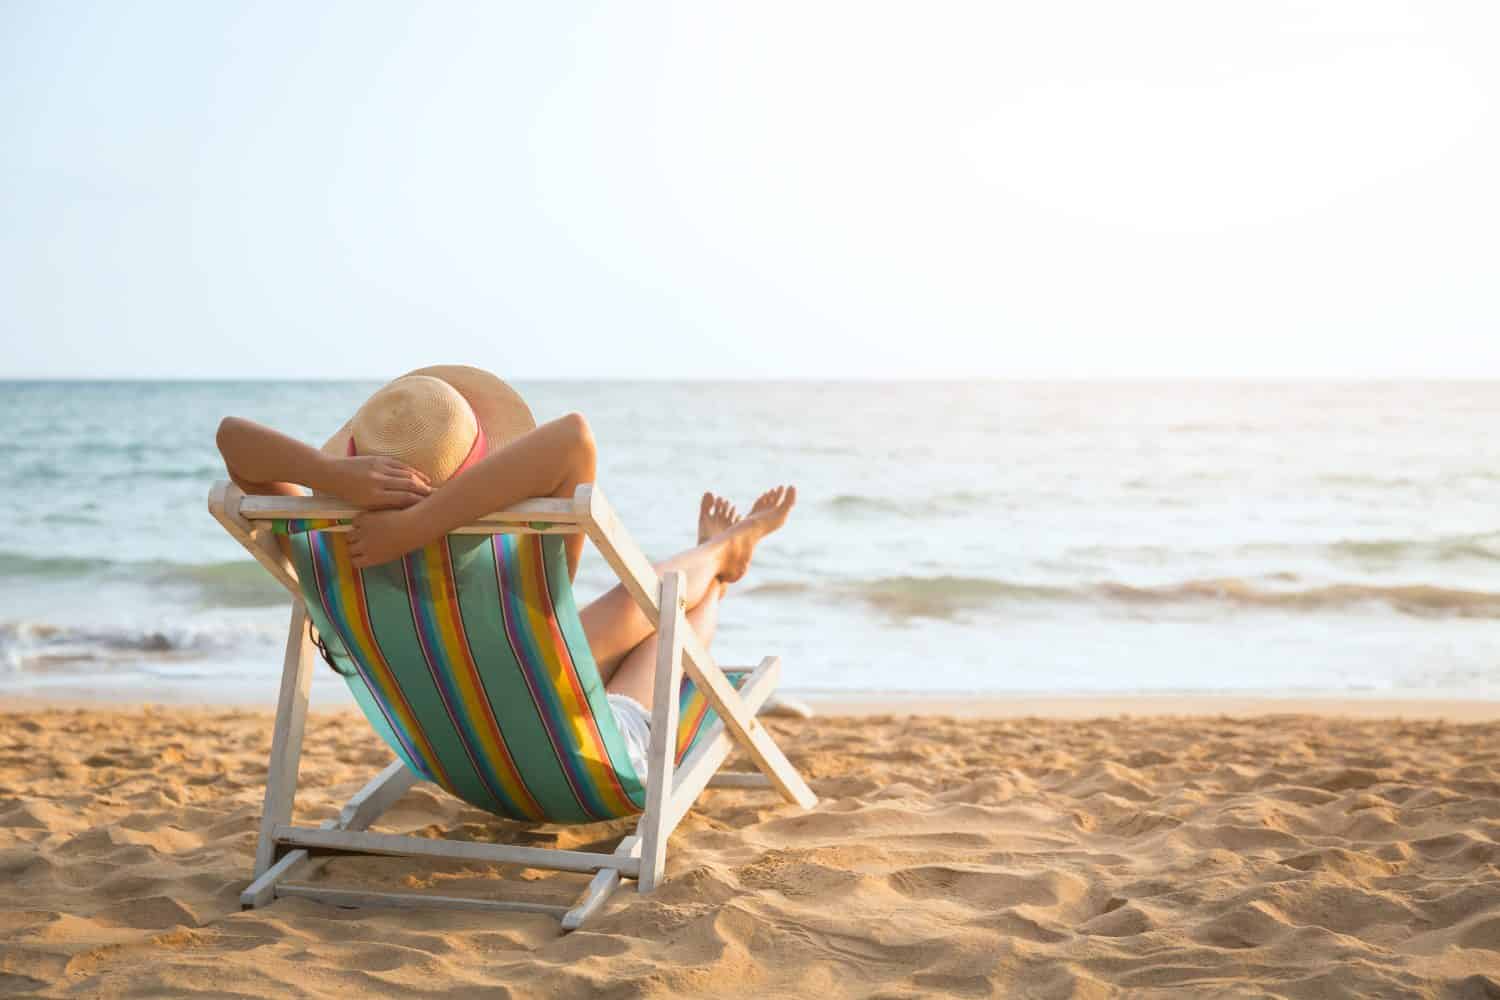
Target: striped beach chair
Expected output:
[469,660]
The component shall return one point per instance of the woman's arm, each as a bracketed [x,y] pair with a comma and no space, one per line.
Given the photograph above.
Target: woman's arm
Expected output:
[262,460]
[551,461]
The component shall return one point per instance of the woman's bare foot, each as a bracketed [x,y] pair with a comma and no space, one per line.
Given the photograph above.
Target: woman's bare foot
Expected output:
[769,513]
[715,515]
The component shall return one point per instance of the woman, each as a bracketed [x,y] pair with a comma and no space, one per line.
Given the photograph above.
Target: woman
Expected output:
[442,446]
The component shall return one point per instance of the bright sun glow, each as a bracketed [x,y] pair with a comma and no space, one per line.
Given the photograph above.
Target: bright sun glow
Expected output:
[1086,189]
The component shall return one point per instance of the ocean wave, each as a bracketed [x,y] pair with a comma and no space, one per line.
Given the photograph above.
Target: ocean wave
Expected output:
[199,473]
[21,564]
[955,502]
[1376,480]
[1444,549]
[239,583]
[783,588]
[40,646]
[69,517]
[948,597]
[1383,553]
[1418,599]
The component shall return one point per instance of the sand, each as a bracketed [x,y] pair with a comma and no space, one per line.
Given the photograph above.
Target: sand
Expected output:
[1247,855]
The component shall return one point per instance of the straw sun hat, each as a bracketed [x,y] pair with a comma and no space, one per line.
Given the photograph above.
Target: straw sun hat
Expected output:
[437,420]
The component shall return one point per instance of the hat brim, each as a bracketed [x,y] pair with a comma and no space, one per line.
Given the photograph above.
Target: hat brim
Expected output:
[501,412]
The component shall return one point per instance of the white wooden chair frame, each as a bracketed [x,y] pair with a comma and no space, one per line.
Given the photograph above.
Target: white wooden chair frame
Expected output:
[670,790]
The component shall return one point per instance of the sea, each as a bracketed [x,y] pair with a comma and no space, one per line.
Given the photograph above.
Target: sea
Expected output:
[986,537]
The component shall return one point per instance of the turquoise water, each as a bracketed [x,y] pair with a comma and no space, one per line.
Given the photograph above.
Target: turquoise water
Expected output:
[1038,537]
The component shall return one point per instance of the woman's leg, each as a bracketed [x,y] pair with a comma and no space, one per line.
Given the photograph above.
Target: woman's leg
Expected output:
[614,623]
[636,674]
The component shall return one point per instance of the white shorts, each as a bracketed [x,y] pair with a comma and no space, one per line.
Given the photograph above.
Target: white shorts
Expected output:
[634,723]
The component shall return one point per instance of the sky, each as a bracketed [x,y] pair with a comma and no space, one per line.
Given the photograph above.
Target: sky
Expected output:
[812,190]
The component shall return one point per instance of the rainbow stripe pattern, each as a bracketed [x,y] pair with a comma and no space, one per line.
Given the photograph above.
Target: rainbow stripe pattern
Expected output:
[469,659]
[296,526]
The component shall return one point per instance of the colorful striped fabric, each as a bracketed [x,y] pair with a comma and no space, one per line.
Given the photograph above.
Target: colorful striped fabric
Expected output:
[469,659]
[296,526]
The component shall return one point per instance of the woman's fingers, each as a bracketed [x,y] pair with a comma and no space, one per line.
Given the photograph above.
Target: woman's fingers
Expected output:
[407,482]
[396,467]
[402,469]
[358,553]
[385,483]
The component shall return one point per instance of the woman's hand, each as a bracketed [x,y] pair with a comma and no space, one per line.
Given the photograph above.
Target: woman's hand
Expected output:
[378,536]
[376,483]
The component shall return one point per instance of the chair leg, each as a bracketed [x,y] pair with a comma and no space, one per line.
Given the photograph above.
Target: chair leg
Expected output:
[262,891]
[286,738]
[605,882]
[379,794]
[660,757]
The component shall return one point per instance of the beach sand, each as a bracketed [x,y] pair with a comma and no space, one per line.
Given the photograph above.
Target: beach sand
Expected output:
[1210,854]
